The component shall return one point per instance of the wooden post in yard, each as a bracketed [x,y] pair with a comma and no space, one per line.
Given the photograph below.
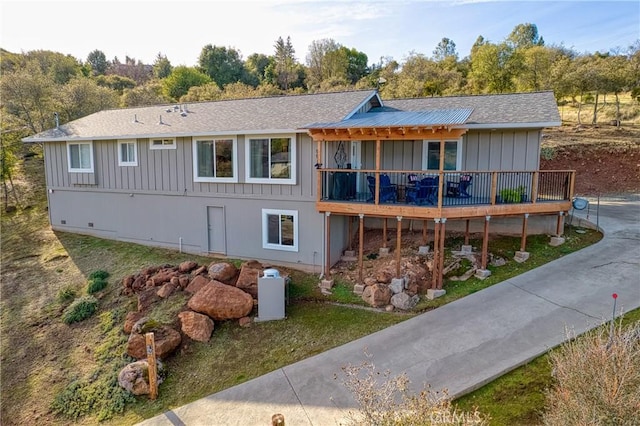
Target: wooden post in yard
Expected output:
[151,360]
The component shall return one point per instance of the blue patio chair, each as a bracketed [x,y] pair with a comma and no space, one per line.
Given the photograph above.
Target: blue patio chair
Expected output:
[425,191]
[459,189]
[388,191]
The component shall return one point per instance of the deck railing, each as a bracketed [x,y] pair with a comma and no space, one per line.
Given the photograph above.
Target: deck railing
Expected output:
[459,188]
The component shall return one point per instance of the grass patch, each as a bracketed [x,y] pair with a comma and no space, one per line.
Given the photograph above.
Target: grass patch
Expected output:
[518,397]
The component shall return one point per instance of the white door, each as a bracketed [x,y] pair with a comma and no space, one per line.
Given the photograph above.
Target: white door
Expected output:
[216,230]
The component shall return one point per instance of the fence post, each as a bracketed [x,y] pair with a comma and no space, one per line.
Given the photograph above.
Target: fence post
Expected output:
[151,360]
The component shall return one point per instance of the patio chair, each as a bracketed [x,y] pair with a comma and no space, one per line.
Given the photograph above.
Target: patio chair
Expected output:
[388,191]
[425,191]
[459,189]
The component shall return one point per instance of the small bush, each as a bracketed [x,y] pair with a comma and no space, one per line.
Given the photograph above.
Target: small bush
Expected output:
[547,153]
[95,285]
[81,309]
[99,274]
[66,294]
[597,378]
[386,400]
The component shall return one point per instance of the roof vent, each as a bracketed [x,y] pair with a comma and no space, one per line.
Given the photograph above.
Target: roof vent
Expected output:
[176,107]
[135,118]
[57,118]
[160,122]
[168,110]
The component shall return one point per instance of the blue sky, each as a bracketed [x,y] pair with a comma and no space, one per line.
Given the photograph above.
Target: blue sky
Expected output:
[180,29]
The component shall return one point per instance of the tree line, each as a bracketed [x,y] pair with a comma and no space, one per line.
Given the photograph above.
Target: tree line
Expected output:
[36,84]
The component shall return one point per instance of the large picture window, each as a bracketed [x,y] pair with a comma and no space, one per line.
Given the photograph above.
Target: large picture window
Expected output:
[271,159]
[280,229]
[127,153]
[215,160]
[431,155]
[80,156]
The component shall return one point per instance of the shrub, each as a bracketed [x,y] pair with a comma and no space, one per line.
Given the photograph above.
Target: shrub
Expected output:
[66,294]
[95,285]
[81,309]
[386,400]
[548,153]
[99,274]
[597,378]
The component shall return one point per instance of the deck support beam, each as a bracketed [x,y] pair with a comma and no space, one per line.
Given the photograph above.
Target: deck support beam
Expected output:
[523,240]
[361,248]
[398,245]
[436,254]
[560,224]
[485,243]
[384,233]
[349,223]
[466,233]
[327,266]
[441,265]
[425,232]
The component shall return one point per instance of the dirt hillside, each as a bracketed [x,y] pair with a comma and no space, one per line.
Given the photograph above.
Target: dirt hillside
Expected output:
[606,159]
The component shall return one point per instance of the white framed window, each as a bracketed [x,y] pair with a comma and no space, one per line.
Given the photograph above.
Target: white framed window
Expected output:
[271,159]
[280,229]
[215,159]
[127,152]
[452,155]
[80,157]
[162,143]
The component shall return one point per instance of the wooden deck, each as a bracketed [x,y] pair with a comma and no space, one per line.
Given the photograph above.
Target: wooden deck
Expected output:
[541,192]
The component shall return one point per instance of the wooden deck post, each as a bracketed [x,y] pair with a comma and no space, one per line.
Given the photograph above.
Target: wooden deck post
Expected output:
[559,224]
[361,248]
[436,254]
[466,234]
[327,263]
[425,234]
[523,241]
[441,264]
[350,220]
[384,233]
[398,244]
[485,243]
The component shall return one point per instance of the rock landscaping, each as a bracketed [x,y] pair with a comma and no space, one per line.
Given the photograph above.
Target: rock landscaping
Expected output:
[216,292]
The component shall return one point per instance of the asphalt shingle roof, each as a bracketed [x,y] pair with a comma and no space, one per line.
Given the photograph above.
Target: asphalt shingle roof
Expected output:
[513,108]
[240,115]
[290,113]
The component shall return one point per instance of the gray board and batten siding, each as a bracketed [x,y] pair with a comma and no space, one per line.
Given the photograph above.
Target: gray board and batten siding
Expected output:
[158,203]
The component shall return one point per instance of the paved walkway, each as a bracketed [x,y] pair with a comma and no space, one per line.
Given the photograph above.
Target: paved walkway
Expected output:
[459,346]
